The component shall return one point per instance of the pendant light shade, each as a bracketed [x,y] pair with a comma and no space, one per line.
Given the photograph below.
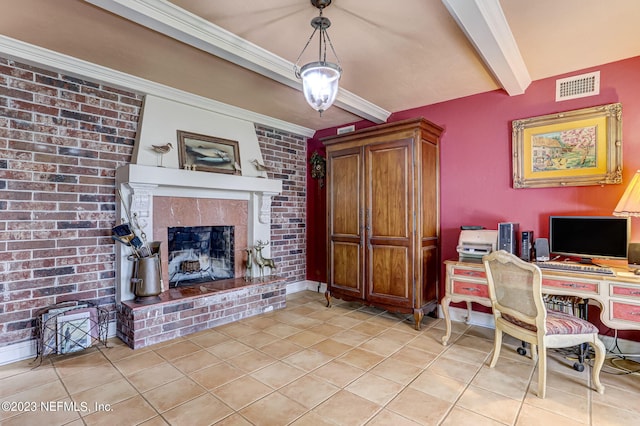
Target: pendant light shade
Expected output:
[320,84]
[320,79]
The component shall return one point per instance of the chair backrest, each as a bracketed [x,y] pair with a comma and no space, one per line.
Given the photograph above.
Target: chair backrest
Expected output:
[515,288]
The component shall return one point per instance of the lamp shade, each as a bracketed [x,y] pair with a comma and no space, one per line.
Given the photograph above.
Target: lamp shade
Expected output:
[320,84]
[629,204]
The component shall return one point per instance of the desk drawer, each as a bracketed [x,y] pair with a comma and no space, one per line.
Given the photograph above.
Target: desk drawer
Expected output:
[582,287]
[625,311]
[625,291]
[470,289]
[472,273]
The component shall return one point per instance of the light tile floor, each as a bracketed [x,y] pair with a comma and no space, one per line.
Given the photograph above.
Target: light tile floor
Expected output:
[311,365]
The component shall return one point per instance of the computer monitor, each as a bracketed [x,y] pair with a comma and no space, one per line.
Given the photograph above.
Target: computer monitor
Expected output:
[589,237]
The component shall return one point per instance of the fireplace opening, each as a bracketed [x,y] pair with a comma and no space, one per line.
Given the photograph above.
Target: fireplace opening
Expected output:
[199,254]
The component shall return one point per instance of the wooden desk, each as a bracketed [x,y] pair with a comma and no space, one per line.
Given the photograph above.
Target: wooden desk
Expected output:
[618,296]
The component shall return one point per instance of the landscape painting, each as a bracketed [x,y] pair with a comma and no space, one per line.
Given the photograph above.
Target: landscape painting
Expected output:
[567,149]
[571,148]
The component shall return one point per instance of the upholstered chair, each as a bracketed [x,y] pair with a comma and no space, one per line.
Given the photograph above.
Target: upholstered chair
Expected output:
[515,290]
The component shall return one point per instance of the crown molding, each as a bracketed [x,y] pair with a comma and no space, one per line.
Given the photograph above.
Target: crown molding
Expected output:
[486,27]
[182,25]
[38,56]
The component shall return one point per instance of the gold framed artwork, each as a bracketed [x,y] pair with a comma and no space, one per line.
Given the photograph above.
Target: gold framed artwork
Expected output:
[208,153]
[573,148]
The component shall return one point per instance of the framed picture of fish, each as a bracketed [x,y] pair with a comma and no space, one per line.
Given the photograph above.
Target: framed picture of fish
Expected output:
[208,153]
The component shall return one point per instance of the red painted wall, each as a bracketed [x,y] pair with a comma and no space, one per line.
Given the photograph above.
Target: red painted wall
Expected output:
[475,155]
[475,159]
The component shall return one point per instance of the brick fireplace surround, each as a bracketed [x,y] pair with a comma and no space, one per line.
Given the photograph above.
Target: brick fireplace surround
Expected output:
[185,310]
[165,198]
[61,140]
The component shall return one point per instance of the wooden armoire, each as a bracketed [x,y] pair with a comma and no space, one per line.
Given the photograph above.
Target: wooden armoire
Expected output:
[383,217]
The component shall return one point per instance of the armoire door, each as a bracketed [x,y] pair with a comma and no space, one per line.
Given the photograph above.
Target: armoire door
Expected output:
[345,198]
[389,223]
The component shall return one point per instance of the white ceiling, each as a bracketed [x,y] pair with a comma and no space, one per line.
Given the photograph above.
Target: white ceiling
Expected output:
[395,55]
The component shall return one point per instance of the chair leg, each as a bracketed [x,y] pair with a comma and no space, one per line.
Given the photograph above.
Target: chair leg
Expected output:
[542,371]
[599,349]
[497,344]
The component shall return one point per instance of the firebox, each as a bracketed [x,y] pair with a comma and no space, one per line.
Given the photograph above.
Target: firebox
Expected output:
[199,254]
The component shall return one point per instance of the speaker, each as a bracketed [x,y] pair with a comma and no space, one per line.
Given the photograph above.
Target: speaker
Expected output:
[507,237]
[542,249]
[526,245]
[634,255]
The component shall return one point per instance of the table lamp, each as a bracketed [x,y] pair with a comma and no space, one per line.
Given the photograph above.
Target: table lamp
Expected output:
[629,206]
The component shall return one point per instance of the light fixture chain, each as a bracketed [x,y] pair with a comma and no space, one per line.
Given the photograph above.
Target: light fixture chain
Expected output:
[305,47]
[332,49]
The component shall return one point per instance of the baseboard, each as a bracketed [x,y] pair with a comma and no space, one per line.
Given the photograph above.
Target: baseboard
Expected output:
[481,319]
[628,347]
[17,352]
[24,350]
[27,350]
[297,286]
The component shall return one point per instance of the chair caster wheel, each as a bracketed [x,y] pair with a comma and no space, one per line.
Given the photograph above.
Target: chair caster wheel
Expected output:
[522,351]
[578,367]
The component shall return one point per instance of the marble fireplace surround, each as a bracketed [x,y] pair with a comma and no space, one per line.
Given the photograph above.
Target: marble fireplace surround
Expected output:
[162,197]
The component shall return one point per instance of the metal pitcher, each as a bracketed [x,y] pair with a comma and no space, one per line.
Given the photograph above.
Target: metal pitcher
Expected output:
[146,277]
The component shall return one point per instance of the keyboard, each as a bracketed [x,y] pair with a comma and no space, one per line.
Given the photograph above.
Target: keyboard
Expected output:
[575,267]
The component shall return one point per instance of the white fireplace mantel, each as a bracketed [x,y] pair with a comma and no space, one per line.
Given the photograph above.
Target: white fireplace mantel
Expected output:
[189,179]
[138,184]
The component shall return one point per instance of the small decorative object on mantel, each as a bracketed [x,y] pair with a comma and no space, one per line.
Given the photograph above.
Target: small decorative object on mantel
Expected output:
[572,148]
[318,167]
[249,265]
[263,261]
[260,167]
[161,150]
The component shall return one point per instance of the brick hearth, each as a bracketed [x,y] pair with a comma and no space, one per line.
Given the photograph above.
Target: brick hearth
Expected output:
[185,310]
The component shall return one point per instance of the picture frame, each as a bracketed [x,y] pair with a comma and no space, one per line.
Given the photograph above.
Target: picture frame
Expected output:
[49,331]
[208,153]
[74,332]
[572,148]
[49,325]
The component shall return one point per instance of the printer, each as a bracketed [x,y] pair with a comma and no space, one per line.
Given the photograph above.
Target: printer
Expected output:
[475,243]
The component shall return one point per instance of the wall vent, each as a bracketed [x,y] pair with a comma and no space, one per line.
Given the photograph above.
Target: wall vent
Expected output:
[346,129]
[578,86]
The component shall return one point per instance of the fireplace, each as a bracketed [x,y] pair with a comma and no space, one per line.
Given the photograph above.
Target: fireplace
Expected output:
[212,219]
[199,254]
[162,198]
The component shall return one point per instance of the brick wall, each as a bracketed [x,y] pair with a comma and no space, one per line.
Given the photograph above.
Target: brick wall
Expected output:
[61,139]
[285,155]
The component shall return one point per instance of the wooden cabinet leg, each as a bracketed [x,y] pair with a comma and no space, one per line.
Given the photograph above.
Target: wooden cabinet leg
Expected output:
[417,318]
[327,295]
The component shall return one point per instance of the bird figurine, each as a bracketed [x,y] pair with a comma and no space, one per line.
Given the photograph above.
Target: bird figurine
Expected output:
[161,150]
[237,168]
[260,167]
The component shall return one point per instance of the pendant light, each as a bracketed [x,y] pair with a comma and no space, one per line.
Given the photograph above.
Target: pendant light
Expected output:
[320,79]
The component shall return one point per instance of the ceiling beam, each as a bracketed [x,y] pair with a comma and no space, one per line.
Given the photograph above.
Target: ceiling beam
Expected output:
[175,22]
[486,27]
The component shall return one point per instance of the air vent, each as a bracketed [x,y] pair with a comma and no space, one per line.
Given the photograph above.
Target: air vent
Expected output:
[346,129]
[578,86]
